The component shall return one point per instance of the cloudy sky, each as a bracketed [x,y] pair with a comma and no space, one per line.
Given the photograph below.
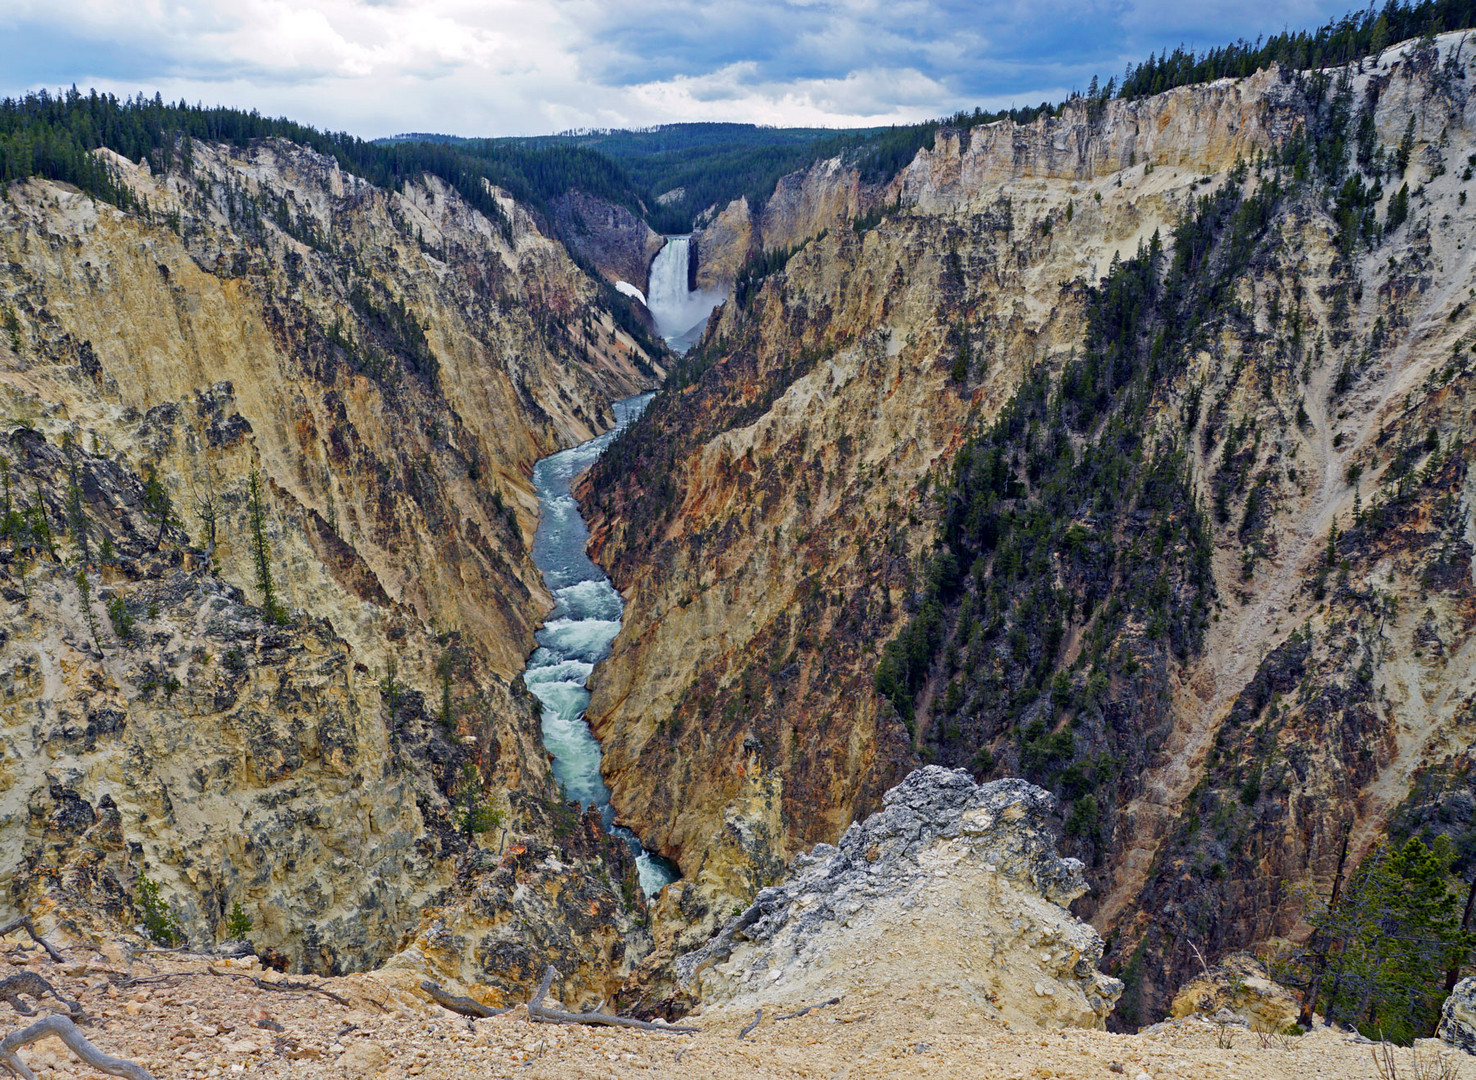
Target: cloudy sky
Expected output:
[493,67]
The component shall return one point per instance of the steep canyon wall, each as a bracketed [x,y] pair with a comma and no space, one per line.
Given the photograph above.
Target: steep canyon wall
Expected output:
[390,364]
[1216,640]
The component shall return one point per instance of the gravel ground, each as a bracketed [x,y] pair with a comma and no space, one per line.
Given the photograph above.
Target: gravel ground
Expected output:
[186,1022]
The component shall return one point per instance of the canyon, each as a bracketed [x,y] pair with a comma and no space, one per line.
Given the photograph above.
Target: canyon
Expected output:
[783,512]
[390,365]
[926,568]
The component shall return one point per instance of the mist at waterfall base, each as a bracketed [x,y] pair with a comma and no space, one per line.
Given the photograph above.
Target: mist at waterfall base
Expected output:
[680,315]
[577,635]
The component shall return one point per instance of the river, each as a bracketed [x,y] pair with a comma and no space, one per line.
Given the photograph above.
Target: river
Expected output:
[577,634]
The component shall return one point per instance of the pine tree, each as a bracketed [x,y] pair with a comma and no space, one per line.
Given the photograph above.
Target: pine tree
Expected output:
[40,524]
[473,814]
[1406,148]
[156,914]
[76,511]
[13,525]
[238,923]
[1398,209]
[84,590]
[1396,926]
[964,360]
[158,505]
[261,552]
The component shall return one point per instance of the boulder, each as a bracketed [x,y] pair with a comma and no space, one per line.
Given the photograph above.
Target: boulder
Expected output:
[1240,986]
[1458,1017]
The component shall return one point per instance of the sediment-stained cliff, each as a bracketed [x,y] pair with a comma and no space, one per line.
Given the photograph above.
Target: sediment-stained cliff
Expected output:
[618,244]
[389,364]
[1225,654]
[1202,127]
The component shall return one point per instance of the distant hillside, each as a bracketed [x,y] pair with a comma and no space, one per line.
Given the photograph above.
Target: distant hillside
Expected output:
[704,164]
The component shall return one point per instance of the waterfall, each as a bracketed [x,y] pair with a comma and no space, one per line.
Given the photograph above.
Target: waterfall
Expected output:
[680,313]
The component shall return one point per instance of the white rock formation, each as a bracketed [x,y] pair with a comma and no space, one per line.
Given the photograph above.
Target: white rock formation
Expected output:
[952,884]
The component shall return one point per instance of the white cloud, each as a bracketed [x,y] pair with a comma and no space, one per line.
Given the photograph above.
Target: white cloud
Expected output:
[517,66]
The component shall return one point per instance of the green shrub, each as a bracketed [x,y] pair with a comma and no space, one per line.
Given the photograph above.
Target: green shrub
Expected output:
[121,619]
[12,326]
[238,923]
[154,913]
[473,813]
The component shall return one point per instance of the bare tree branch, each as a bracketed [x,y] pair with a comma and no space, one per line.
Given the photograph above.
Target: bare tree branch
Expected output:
[758,1016]
[67,1032]
[543,986]
[33,985]
[24,923]
[808,1009]
[540,1013]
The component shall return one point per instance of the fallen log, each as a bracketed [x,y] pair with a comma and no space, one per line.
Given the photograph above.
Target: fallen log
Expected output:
[541,1013]
[24,923]
[808,1009]
[33,985]
[464,1005]
[67,1032]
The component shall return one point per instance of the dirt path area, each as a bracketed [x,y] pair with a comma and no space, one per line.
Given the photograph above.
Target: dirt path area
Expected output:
[187,1023]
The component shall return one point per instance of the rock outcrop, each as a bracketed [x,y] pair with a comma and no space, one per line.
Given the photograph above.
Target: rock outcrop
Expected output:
[951,881]
[1240,986]
[1458,1017]
[619,245]
[515,908]
[827,195]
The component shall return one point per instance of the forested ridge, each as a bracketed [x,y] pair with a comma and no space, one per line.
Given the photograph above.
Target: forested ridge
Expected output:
[53,136]
[696,165]
[1353,37]
[712,164]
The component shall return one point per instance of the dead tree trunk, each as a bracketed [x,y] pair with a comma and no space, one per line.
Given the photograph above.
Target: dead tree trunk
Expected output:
[1309,1004]
[24,923]
[464,1005]
[543,1014]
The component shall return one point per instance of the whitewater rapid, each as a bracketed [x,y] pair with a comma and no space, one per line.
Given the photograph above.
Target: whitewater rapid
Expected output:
[577,634]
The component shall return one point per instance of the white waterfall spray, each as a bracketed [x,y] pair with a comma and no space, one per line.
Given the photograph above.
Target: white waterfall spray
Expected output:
[680,314]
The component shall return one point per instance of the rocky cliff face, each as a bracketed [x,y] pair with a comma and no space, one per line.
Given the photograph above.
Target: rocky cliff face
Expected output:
[1253,688]
[767,562]
[825,196]
[950,880]
[1205,128]
[390,364]
[620,245]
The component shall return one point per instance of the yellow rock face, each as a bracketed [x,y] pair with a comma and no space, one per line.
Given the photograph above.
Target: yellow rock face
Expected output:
[770,544]
[1240,985]
[391,364]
